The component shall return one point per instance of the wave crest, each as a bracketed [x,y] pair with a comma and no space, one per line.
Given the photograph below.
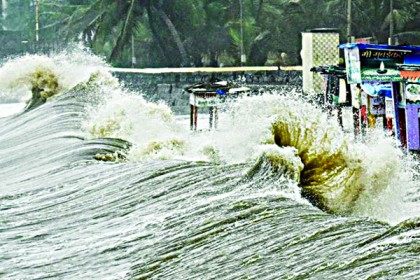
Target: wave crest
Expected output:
[337,172]
[41,77]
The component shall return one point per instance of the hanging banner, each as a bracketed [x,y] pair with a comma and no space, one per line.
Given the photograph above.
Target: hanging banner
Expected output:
[355,96]
[372,75]
[352,59]
[410,75]
[342,95]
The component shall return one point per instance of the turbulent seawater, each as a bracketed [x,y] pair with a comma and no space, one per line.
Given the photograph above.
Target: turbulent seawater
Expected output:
[98,183]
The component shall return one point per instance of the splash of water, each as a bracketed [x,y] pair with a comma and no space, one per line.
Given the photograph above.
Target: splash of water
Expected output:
[335,173]
[339,175]
[41,77]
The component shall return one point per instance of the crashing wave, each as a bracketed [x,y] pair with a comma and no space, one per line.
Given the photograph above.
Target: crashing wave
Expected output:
[41,77]
[337,172]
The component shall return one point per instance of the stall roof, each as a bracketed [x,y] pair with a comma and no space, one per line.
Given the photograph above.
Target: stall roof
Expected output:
[409,67]
[378,47]
[410,72]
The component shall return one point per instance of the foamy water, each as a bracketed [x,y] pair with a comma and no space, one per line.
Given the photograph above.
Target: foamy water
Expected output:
[10,109]
[98,183]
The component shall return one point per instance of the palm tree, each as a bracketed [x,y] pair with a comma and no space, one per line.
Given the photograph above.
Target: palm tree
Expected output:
[174,33]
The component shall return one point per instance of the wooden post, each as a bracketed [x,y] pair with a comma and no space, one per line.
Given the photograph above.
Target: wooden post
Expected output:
[195,117]
[211,116]
[356,121]
[216,117]
[191,117]
[340,115]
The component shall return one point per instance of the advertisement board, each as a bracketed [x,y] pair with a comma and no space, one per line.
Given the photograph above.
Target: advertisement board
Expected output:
[352,59]
[381,64]
[412,93]
[205,99]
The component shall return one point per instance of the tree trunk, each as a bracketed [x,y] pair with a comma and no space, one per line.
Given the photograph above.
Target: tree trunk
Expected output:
[175,35]
[254,56]
[156,35]
[3,4]
[125,33]
[257,17]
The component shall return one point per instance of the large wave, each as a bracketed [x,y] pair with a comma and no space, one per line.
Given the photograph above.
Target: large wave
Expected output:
[334,171]
[36,78]
[339,174]
[97,183]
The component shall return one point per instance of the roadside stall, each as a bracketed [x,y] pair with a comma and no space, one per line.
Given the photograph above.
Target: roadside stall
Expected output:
[411,75]
[212,95]
[375,79]
[334,93]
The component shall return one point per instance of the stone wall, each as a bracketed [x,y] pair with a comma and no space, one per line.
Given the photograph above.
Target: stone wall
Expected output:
[169,87]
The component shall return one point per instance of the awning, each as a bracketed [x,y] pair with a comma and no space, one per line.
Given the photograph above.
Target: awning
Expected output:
[410,75]
[379,47]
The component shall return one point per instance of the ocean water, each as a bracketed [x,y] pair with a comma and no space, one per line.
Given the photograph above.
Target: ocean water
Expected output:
[98,183]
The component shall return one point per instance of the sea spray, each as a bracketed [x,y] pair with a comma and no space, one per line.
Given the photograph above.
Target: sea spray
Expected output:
[150,127]
[339,172]
[339,175]
[40,77]
[282,160]
[65,214]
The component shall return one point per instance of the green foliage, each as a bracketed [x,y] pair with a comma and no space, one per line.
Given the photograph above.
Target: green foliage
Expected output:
[205,32]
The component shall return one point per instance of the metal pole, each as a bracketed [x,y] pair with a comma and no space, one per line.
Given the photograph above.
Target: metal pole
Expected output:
[36,20]
[3,12]
[349,21]
[133,57]
[243,58]
[391,22]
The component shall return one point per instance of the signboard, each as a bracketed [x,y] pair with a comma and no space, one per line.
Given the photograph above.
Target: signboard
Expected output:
[397,55]
[373,75]
[353,65]
[377,105]
[380,64]
[412,93]
[355,96]
[389,107]
[205,99]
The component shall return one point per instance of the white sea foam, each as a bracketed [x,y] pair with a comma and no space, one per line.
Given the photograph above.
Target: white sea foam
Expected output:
[70,67]
[7,109]
[244,127]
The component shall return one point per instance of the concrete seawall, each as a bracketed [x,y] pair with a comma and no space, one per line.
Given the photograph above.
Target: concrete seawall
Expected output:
[168,84]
